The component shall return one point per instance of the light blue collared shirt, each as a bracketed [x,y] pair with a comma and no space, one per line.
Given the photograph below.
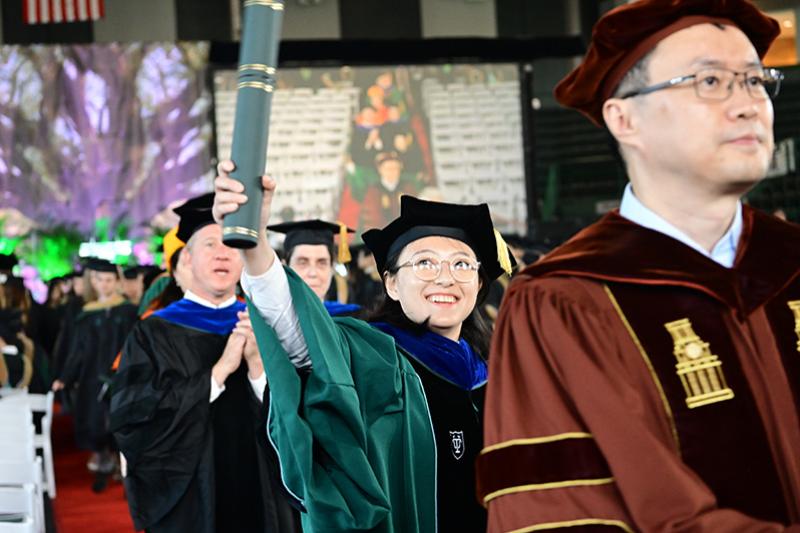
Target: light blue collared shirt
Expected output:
[724,251]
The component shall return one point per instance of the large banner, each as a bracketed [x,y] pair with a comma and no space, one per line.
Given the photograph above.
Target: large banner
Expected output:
[345,143]
[111,132]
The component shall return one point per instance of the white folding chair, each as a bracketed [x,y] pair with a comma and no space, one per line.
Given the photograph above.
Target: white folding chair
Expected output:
[18,432]
[15,419]
[17,444]
[24,526]
[16,426]
[8,401]
[43,403]
[9,392]
[14,406]
[19,501]
[13,473]
[20,474]
[36,403]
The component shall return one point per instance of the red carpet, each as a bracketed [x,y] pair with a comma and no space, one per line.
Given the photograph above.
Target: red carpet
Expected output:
[77,509]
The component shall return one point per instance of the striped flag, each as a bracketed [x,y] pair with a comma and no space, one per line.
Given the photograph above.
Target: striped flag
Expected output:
[55,11]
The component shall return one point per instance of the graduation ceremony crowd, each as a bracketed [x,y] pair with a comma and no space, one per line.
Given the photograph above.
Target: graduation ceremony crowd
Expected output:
[642,376]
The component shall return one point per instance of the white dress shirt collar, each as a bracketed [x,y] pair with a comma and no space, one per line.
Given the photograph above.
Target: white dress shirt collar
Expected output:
[724,251]
[192,297]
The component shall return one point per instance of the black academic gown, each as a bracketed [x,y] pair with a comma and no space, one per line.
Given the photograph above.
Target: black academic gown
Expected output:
[69,312]
[193,465]
[96,337]
[15,366]
[41,328]
[10,325]
[457,417]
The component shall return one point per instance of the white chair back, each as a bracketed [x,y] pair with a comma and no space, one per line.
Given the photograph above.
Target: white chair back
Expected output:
[13,473]
[18,500]
[16,398]
[7,392]
[22,405]
[17,431]
[15,453]
[25,526]
[22,474]
[11,419]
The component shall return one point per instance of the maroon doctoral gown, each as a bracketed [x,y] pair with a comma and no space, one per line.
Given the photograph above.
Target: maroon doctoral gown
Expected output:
[637,385]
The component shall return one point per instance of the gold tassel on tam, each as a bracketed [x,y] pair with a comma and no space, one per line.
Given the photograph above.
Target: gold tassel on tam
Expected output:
[344,246]
[502,253]
[171,244]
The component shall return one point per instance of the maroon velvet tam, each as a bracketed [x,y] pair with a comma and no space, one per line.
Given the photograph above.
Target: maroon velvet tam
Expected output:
[627,33]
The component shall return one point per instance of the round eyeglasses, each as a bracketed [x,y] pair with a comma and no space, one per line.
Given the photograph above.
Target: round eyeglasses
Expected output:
[717,83]
[430,268]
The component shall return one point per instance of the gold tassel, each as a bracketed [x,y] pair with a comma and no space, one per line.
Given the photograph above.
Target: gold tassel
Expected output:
[344,246]
[171,244]
[502,253]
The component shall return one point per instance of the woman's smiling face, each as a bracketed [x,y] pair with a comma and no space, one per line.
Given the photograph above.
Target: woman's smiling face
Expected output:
[444,302]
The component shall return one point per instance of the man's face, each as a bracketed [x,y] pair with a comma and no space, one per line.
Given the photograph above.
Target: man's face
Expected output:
[215,268]
[183,275]
[78,285]
[133,288]
[105,284]
[722,147]
[367,117]
[312,262]
[390,171]
[65,285]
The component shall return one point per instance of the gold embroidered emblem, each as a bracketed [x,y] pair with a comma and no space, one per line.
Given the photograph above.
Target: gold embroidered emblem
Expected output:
[794,305]
[385,202]
[699,369]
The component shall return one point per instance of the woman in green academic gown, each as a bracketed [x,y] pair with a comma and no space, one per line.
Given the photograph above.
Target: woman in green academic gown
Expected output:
[377,425]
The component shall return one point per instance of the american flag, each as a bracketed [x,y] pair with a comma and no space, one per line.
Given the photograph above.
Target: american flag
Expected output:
[50,11]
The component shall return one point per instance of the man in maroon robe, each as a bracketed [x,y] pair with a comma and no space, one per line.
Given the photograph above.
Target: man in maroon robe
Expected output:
[645,376]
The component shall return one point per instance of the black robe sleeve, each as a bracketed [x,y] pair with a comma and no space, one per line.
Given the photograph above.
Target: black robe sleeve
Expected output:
[73,356]
[63,340]
[160,419]
[281,510]
[15,366]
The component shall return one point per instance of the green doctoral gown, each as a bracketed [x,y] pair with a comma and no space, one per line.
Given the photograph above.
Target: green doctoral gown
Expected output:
[354,435]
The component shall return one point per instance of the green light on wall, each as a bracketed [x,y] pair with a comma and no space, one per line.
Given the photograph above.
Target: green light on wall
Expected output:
[8,245]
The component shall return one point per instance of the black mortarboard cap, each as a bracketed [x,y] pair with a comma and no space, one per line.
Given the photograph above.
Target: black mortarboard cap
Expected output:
[132,272]
[471,224]
[195,213]
[8,261]
[99,265]
[315,232]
